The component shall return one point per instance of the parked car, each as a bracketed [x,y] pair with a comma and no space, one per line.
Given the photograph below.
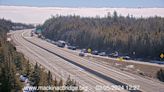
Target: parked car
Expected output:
[71,47]
[95,52]
[39,35]
[81,54]
[61,43]
[102,53]
[84,50]
[48,40]
[43,38]
[115,55]
[125,57]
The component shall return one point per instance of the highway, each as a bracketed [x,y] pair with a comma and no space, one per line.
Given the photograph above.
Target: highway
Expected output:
[62,64]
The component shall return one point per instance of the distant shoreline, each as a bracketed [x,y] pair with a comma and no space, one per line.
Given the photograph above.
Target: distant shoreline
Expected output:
[37,15]
[74,7]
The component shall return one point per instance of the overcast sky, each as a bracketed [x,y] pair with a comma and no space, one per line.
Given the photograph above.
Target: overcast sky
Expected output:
[85,3]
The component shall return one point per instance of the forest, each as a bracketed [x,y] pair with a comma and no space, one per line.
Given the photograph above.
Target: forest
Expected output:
[9,25]
[136,37]
[13,65]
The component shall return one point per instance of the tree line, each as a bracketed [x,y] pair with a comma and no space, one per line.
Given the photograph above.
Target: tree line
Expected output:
[9,25]
[137,37]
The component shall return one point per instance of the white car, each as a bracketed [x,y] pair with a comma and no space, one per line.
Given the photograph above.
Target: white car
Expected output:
[81,54]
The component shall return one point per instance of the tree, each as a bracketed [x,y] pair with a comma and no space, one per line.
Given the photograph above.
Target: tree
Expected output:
[35,75]
[60,82]
[49,78]
[160,75]
[115,16]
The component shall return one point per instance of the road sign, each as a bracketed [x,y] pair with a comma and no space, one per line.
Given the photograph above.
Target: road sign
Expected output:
[89,50]
[120,59]
[162,55]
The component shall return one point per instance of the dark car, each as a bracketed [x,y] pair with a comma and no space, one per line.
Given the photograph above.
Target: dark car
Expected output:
[71,47]
[125,57]
[115,54]
[95,52]
[84,50]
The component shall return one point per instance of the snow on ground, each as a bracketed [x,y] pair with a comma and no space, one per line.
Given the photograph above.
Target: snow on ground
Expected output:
[40,14]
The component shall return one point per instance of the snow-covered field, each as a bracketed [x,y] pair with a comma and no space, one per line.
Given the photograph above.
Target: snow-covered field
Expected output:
[40,14]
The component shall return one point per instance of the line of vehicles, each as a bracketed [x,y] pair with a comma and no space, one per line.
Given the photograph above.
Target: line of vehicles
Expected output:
[103,53]
[63,44]
[82,52]
[114,54]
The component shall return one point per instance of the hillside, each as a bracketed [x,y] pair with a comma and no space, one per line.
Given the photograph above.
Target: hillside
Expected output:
[127,35]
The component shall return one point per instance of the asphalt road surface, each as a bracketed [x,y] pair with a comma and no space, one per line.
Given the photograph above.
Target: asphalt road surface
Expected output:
[88,74]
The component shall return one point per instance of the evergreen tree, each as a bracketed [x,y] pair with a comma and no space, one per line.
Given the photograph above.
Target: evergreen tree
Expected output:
[144,36]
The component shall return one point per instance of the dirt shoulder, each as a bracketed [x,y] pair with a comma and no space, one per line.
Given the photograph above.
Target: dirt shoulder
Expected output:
[143,70]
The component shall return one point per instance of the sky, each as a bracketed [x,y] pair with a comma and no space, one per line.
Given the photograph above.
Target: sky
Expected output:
[86,3]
